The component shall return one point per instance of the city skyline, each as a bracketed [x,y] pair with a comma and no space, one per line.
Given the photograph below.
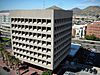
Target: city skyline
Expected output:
[40,4]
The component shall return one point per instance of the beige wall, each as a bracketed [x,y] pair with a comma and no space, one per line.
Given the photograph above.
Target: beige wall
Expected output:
[43,14]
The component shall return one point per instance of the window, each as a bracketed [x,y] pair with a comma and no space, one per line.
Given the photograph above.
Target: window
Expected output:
[22,20]
[19,20]
[12,19]
[44,21]
[43,28]
[26,20]
[48,21]
[34,20]
[30,20]
[4,18]
[48,29]
[38,20]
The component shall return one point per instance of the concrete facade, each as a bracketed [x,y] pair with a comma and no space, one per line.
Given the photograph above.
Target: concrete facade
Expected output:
[41,37]
[5,24]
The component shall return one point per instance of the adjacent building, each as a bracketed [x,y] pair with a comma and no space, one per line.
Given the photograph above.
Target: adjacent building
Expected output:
[5,24]
[41,37]
[82,19]
[93,29]
[79,31]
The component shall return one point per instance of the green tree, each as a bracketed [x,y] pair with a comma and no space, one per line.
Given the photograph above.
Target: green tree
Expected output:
[16,65]
[0,36]
[97,16]
[87,37]
[90,37]
[17,62]
[2,51]
[47,72]
[94,46]
[7,57]
[82,19]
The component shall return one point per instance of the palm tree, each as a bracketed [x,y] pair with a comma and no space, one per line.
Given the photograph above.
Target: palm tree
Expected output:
[14,62]
[47,72]
[2,50]
[17,63]
[7,57]
[0,37]
[11,60]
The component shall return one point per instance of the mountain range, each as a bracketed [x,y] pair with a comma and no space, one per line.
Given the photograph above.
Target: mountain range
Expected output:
[91,10]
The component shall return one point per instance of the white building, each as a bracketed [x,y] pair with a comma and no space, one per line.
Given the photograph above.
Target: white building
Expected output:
[5,24]
[41,37]
[81,18]
[80,30]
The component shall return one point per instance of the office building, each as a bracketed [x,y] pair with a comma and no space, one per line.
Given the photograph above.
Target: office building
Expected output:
[5,24]
[41,37]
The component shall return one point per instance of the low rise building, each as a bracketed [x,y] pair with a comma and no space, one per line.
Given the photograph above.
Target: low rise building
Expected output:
[5,24]
[79,31]
[93,29]
[82,19]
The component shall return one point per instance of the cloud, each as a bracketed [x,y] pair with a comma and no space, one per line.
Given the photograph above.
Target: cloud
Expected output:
[90,0]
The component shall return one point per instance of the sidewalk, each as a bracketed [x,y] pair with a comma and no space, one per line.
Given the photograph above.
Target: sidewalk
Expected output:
[14,72]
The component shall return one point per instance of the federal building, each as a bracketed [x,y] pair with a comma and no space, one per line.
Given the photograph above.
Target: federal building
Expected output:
[42,36]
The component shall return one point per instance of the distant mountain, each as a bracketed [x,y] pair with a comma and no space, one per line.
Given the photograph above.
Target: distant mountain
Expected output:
[91,10]
[55,8]
[76,10]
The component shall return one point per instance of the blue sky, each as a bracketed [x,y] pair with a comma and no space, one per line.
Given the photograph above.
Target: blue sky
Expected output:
[38,4]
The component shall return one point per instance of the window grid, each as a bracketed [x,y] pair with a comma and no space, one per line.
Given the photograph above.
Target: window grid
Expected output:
[29,39]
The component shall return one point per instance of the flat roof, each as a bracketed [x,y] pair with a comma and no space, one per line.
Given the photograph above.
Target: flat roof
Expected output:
[4,11]
[74,49]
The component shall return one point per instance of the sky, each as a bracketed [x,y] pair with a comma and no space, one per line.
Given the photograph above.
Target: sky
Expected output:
[41,4]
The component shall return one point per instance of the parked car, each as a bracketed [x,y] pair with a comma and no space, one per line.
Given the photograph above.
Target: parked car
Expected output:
[34,73]
[94,71]
[89,62]
[23,67]
[6,69]
[92,54]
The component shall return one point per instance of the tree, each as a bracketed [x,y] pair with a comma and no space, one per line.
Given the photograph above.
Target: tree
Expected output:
[97,16]
[47,73]
[94,46]
[2,51]
[7,57]
[91,37]
[17,62]
[87,37]
[0,36]
[82,19]
[16,65]
[5,54]
[11,61]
